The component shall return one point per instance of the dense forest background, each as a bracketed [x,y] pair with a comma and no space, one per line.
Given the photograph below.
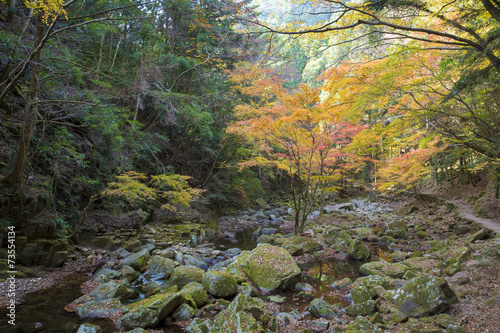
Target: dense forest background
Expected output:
[112,107]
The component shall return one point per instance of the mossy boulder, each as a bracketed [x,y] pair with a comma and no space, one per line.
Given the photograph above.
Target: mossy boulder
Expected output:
[142,317]
[244,314]
[183,312]
[182,275]
[112,290]
[298,245]
[129,273]
[383,267]
[366,308]
[162,304]
[159,268]
[100,309]
[421,264]
[270,267]
[194,293]
[358,251]
[138,261]
[220,284]
[105,275]
[320,308]
[89,328]
[424,296]
[374,282]
[397,229]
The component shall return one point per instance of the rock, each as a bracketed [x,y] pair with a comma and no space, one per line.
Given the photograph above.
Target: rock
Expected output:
[298,245]
[159,268]
[481,234]
[137,330]
[459,279]
[129,273]
[193,261]
[320,308]
[366,308]
[269,231]
[100,309]
[233,252]
[150,288]
[424,296]
[182,275]
[341,284]
[194,294]
[220,284]
[270,267]
[384,268]
[421,264]
[397,229]
[360,324]
[105,274]
[360,294]
[303,287]
[112,290]
[138,261]
[244,314]
[269,239]
[358,250]
[319,325]
[89,328]
[161,304]
[141,317]
[363,233]
[339,207]
[183,312]
[286,318]
[276,299]
[197,326]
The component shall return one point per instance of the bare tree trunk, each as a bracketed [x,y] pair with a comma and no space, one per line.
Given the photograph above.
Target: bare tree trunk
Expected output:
[30,112]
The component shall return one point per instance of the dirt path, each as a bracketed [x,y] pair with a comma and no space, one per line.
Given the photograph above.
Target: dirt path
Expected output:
[467,212]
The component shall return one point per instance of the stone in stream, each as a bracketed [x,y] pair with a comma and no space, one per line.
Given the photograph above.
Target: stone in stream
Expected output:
[424,296]
[220,284]
[193,261]
[159,268]
[184,274]
[138,260]
[100,309]
[89,328]
[129,273]
[271,267]
[105,274]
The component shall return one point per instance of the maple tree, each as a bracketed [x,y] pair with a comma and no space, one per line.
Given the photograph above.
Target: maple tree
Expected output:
[295,133]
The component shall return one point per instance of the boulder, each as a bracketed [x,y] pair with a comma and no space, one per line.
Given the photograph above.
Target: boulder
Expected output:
[358,250]
[366,308]
[194,293]
[100,309]
[183,312]
[193,261]
[182,275]
[89,328]
[220,284]
[298,245]
[112,290]
[424,296]
[105,275]
[159,268]
[138,261]
[320,308]
[383,267]
[271,267]
[161,304]
[129,273]
[141,317]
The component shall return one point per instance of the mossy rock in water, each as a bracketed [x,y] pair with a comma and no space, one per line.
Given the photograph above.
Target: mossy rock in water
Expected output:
[89,328]
[138,261]
[424,296]
[161,304]
[100,309]
[105,275]
[298,245]
[384,268]
[194,293]
[271,267]
[358,251]
[182,275]
[220,284]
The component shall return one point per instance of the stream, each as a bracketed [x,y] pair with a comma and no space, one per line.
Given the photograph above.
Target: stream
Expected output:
[43,311]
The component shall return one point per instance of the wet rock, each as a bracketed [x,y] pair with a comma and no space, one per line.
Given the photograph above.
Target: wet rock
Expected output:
[182,275]
[112,290]
[129,273]
[105,274]
[270,267]
[384,268]
[194,293]
[298,245]
[193,261]
[358,250]
[424,295]
[89,328]
[183,312]
[142,317]
[138,261]
[320,308]
[159,268]
[220,284]
[100,309]
[160,304]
